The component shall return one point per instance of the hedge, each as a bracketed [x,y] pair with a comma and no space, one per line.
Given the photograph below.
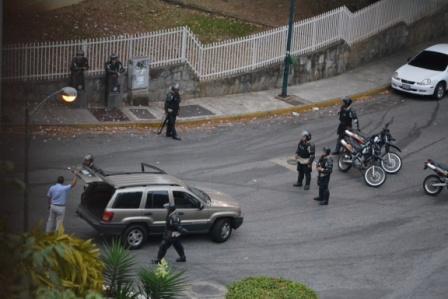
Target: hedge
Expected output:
[269,288]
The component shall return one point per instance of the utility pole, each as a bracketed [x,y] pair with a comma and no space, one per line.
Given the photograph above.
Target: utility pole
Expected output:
[292,11]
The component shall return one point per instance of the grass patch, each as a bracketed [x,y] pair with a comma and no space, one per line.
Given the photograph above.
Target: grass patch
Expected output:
[269,288]
[218,28]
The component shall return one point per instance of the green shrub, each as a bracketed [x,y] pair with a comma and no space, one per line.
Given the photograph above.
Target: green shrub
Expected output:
[118,271]
[269,288]
[162,283]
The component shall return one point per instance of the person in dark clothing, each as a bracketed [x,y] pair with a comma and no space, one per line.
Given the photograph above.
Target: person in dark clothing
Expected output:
[305,156]
[172,103]
[78,65]
[113,69]
[171,236]
[88,163]
[347,117]
[324,169]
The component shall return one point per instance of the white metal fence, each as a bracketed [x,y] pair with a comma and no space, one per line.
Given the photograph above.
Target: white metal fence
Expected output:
[51,60]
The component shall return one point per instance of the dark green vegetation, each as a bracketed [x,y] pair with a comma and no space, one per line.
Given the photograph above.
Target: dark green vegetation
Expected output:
[269,288]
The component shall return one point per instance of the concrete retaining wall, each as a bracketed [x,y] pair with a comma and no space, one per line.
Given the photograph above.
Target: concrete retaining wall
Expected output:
[327,62]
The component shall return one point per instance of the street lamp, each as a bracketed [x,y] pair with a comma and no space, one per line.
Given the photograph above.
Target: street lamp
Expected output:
[292,10]
[68,95]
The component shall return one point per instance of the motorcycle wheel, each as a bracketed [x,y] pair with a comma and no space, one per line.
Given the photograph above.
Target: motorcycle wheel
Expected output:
[343,166]
[428,185]
[374,176]
[391,162]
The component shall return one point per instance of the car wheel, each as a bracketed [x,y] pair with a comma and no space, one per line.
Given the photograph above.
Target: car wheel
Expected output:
[134,236]
[222,230]
[439,91]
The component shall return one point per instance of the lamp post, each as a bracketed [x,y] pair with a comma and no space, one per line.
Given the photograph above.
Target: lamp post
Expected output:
[292,10]
[68,95]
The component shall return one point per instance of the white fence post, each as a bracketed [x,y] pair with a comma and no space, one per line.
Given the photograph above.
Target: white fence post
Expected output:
[183,45]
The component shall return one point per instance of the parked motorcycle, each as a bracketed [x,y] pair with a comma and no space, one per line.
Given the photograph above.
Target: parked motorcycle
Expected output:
[364,156]
[390,160]
[434,183]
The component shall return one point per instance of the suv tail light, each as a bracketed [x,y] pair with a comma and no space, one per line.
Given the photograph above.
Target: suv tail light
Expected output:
[107,216]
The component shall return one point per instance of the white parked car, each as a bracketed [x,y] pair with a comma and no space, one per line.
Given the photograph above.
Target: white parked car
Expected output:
[424,74]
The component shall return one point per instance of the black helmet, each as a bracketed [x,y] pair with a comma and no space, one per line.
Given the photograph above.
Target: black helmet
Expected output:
[347,101]
[307,135]
[113,56]
[326,150]
[175,87]
[88,157]
[80,52]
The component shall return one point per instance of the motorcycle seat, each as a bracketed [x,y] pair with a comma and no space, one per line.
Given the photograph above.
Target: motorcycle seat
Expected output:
[441,165]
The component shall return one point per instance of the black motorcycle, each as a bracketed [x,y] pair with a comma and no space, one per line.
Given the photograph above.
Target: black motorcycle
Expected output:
[434,183]
[391,160]
[364,155]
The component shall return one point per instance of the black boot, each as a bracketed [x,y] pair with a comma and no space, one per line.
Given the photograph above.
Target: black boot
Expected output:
[297,184]
[307,187]
[317,198]
[323,203]
[181,259]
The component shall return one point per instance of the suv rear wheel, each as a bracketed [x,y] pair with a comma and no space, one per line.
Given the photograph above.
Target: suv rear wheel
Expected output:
[221,231]
[134,236]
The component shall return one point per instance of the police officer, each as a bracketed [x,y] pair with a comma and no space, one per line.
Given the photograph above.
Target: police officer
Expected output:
[78,65]
[346,119]
[113,69]
[88,162]
[171,236]
[305,154]
[324,168]
[172,103]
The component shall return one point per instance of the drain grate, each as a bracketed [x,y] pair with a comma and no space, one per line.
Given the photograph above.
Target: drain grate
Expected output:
[194,110]
[292,100]
[142,113]
[103,114]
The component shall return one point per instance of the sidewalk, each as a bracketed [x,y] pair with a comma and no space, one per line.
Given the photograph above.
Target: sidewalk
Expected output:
[368,79]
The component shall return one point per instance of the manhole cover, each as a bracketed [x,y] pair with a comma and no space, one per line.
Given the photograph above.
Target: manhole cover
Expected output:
[103,114]
[194,110]
[142,113]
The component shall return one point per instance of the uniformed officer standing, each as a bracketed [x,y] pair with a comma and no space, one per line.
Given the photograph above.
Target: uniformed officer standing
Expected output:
[113,69]
[324,169]
[77,67]
[171,236]
[347,116]
[172,103]
[305,154]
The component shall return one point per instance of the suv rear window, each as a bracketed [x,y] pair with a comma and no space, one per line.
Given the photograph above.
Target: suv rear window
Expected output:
[128,200]
[156,199]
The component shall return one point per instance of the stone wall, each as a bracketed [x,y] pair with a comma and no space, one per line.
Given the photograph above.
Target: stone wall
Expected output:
[324,63]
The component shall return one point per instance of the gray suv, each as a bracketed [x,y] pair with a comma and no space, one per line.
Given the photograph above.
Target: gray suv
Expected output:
[130,204]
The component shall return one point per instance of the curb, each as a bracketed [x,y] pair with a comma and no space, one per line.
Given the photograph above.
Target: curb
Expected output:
[215,119]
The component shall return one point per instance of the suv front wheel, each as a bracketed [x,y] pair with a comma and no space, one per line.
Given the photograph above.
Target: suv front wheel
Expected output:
[134,236]
[221,231]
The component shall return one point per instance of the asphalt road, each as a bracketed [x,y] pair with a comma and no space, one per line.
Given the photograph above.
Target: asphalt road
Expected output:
[390,242]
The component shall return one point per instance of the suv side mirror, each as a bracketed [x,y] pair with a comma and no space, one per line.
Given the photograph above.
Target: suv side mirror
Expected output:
[200,206]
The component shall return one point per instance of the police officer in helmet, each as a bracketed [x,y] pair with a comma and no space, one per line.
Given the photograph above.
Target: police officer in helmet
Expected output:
[305,154]
[172,106]
[347,117]
[324,168]
[113,68]
[78,65]
[171,236]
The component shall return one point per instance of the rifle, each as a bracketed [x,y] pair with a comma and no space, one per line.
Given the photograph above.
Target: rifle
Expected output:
[162,125]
